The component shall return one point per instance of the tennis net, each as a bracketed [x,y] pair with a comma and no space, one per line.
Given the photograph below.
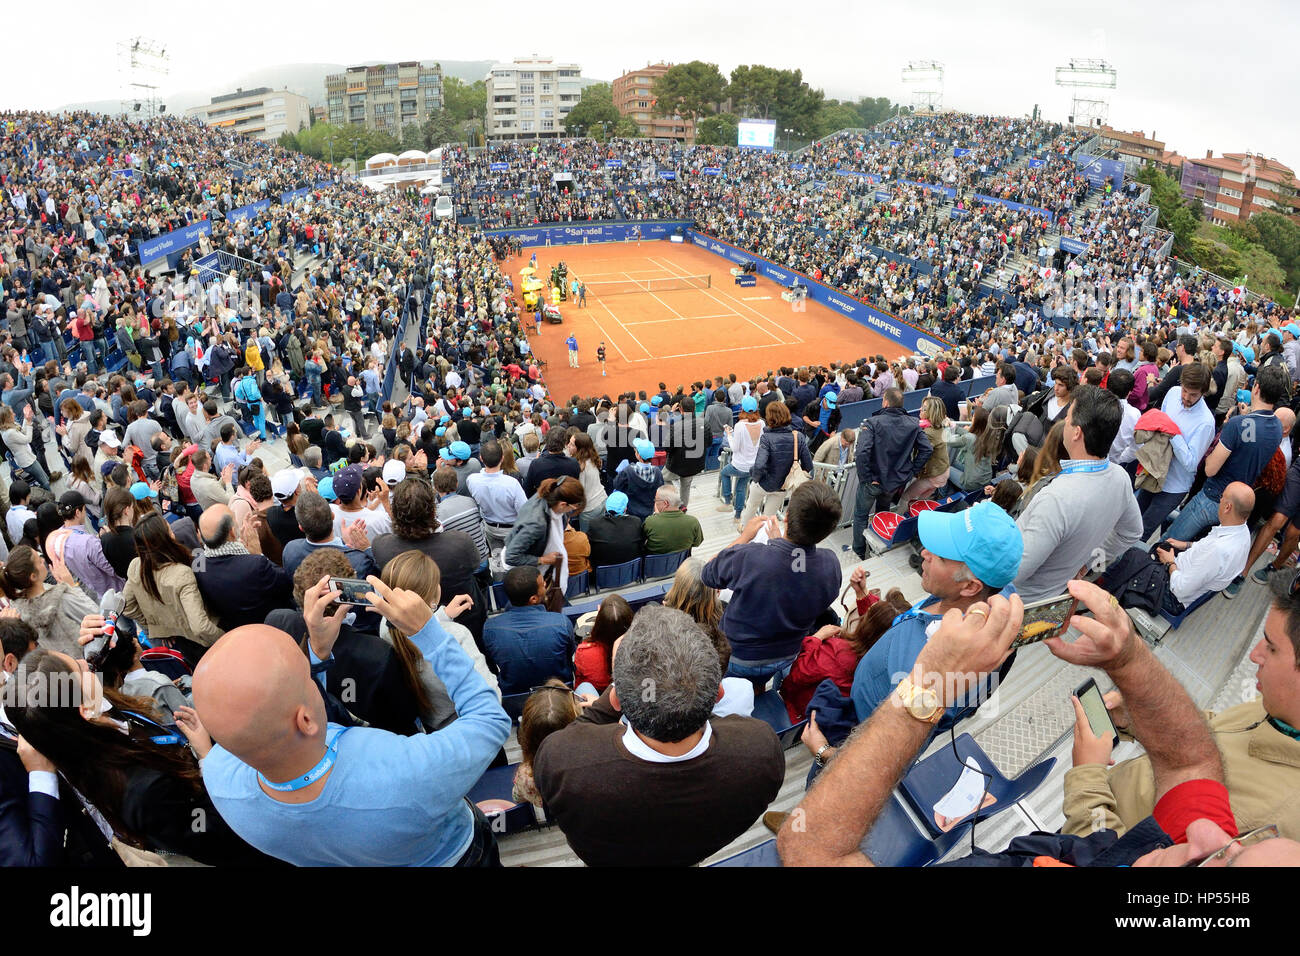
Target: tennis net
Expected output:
[669,284]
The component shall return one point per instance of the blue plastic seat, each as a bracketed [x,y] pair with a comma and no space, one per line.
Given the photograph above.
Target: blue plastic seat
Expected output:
[579,584]
[498,784]
[499,600]
[931,778]
[770,708]
[662,565]
[894,840]
[170,663]
[906,531]
[618,575]
[912,400]
[1176,620]
[762,855]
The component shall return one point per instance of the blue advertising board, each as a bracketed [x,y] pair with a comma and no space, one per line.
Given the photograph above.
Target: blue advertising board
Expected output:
[711,171]
[667,174]
[173,241]
[294,194]
[125,173]
[1017,206]
[614,163]
[569,234]
[958,151]
[1099,170]
[247,212]
[882,195]
[946,190]
[883,323]
[853,172]
[498,167]
[799,167]
[324,182]
[1073,246]
[1036,163]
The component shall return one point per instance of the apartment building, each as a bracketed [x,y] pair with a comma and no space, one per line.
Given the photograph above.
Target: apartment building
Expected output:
[530,97]
[384,97]
[634,97]
[263,113]
[1135,149]
[1235,186]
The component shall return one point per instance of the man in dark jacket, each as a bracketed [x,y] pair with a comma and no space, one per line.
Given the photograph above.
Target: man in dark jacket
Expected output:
[615,536]
[244,587]
[553,463]
[687,441]
[892,450]
[949,392]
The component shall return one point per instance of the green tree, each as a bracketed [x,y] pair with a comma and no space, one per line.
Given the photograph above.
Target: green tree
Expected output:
[438,129]
[1216,257]
[874,110]
[689,90]
[626,128]
[412,137]
[833,116]
[719,130]
[753,90]
[767,93]
[1167,197]
[593,112]
[1281,237]
[464,100]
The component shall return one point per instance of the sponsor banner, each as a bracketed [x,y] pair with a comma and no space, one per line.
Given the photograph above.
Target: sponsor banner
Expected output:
[895,142]
[571,233]
[293,195]
[819,184]
[882,195]
[324,183]
[852,172]
[1073,246]
[249,211]
[883,323]
[125,173]
[958,213]
[667,174]
[959,152]
[709,171]
[1099,171]
[173,241]
[614,163]
[799,167]
[498,167]
[946,190]
[1019,207]
[1036,163]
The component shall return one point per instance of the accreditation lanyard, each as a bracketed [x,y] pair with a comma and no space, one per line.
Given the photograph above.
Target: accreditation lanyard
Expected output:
[1085,468]
[315,773]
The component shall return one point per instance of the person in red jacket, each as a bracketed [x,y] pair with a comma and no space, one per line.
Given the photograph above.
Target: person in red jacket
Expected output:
[834,654]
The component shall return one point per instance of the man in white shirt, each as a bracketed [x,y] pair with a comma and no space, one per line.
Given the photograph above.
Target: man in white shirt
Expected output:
[19,495]
[499,496]
[1195,421]
[1197,568]
[1123,450]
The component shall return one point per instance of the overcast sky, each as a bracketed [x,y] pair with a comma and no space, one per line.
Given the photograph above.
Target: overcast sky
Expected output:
[1197,75]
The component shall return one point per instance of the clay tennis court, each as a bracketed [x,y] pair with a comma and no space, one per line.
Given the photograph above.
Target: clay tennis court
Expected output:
[680,335]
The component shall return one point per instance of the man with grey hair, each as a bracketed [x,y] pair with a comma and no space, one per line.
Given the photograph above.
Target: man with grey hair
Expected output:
[668,785]
[670,529]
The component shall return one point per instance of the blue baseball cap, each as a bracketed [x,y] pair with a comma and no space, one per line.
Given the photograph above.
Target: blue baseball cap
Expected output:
[140,491]
[749,404]
[645,407]
[831,399]
[657,400]
[1276,333]
[1292,328]
[457,449]
[985,538]
[325,488]
[616,503]
[645,448]
[444,420]
[440,430]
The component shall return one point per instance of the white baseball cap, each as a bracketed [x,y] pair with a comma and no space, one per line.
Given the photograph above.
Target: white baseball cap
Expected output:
[394,472]
[285,482]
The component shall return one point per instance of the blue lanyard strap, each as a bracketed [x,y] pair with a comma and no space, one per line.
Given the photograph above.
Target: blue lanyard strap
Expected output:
[1085,467]
[315,773]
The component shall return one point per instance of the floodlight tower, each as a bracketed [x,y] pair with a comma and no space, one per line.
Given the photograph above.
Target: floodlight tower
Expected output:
[1082,75]
[142,66]
[927,75]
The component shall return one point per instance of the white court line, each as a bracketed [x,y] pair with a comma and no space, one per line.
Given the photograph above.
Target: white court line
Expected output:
[744,348]
[709,292]
[689,318]
[609,338]
[657,299]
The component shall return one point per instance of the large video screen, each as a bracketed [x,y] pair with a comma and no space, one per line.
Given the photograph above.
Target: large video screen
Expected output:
[756,134]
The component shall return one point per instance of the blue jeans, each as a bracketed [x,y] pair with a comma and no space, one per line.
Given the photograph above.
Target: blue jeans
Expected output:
[89,356]
[759,671]
[871,498]
[742,486]
[1197,515]
[1156,506]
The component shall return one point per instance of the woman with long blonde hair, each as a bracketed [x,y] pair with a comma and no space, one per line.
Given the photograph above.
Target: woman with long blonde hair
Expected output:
[934,422]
